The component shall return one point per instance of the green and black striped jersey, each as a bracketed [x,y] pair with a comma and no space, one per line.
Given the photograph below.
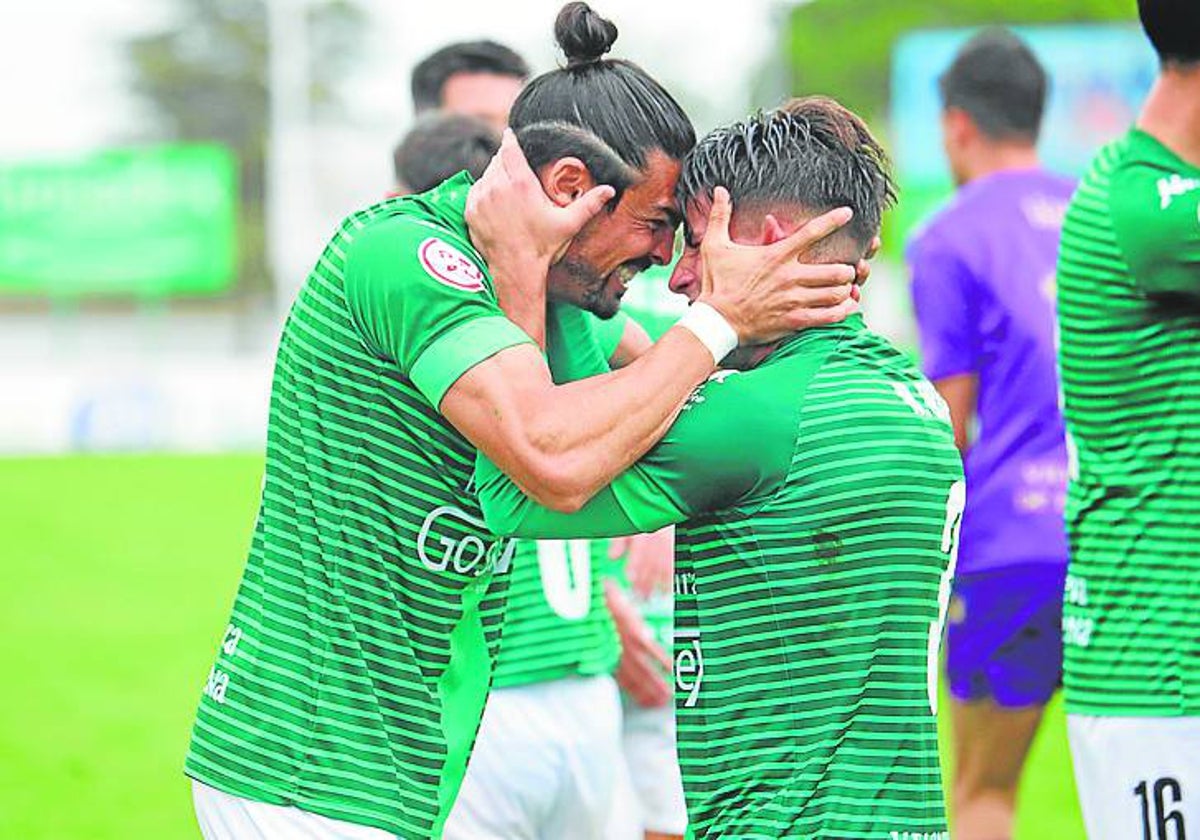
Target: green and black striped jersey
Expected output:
[354,669]
[556,624]
[818,497]
[1129,333]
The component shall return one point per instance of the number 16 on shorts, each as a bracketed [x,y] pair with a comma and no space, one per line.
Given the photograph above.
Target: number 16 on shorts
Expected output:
[1138,778]
[1161,802]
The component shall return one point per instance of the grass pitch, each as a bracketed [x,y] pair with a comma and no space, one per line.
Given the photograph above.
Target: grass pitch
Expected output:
[119,573]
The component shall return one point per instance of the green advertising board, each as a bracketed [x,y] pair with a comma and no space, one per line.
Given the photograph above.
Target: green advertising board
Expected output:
[152,221]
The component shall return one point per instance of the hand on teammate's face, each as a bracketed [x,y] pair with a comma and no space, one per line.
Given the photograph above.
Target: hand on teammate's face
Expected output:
[511,218]
[766,291]
[644,666]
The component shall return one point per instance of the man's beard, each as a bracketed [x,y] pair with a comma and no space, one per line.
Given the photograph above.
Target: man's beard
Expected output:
[586,288]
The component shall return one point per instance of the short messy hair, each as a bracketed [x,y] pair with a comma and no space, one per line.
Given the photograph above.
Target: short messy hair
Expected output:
[811,153]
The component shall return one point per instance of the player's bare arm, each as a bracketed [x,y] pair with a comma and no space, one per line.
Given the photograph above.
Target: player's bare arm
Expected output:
[960,392]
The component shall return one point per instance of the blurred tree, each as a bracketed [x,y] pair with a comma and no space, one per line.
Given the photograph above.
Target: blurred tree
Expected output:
[204,78]
[843,47]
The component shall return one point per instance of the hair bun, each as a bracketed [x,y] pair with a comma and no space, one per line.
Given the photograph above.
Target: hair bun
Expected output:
[583,35]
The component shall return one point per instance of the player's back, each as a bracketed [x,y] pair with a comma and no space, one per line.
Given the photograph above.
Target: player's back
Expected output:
[1129,272]
[808,620]
[983,292]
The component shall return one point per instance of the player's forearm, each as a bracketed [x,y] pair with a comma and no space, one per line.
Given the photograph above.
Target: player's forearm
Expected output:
[586,433]
[508,511]
[562,443]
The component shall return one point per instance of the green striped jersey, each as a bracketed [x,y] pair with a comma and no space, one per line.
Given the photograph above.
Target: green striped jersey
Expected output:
[556,623]
[820,494]
[353,672]
[650,303]
[1129,324]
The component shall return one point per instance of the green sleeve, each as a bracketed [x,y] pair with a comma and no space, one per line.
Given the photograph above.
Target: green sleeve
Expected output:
[573,348]
[609,332]
[731,445]
[423,300]
[1156,219]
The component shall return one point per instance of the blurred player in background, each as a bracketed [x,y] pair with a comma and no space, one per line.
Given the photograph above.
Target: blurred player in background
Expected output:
[1129,312]
[474,78]
[819,493]
[442,145]
[983,293]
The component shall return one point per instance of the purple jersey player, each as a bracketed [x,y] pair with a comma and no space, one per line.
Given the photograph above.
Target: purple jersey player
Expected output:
[983,291]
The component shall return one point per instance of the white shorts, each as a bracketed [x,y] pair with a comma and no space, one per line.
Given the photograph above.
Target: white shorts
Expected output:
[223,816]
[544,764]
[1138,777]
[650,792]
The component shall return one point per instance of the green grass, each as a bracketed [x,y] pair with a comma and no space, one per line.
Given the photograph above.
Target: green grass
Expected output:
[119,573]
[118,577]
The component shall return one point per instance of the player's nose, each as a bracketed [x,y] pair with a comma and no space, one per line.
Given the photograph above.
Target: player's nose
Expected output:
[684,280]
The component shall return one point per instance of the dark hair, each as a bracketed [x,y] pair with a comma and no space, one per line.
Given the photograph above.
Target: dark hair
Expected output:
[430,75]
[613,99]
[811,153]
[546,142]
[1173,27]
[441,145]
[998,81]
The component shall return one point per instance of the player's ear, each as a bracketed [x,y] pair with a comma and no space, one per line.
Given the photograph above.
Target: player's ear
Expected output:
[958,125]
[772,230]
[565,180]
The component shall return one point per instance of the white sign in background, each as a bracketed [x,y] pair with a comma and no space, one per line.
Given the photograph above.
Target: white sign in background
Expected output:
[178,406]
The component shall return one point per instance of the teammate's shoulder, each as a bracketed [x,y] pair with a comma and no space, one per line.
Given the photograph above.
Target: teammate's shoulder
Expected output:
[1154,206]
[1150,182]
[753,401]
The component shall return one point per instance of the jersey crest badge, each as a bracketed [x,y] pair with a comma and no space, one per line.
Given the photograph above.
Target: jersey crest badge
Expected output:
[449,266]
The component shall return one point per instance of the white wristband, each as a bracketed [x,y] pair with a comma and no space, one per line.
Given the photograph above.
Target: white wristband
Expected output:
[710,326]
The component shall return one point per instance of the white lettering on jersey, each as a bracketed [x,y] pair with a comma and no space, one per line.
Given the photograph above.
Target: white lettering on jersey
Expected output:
[233,635]
[217,684]
[566,571]
[449,266]
[685,583]
[1044,212]
[1077,631]
[467,554]
[923,399]
[689,665]
[697,397]
[1075,590]
[1171,188]
[956,503]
